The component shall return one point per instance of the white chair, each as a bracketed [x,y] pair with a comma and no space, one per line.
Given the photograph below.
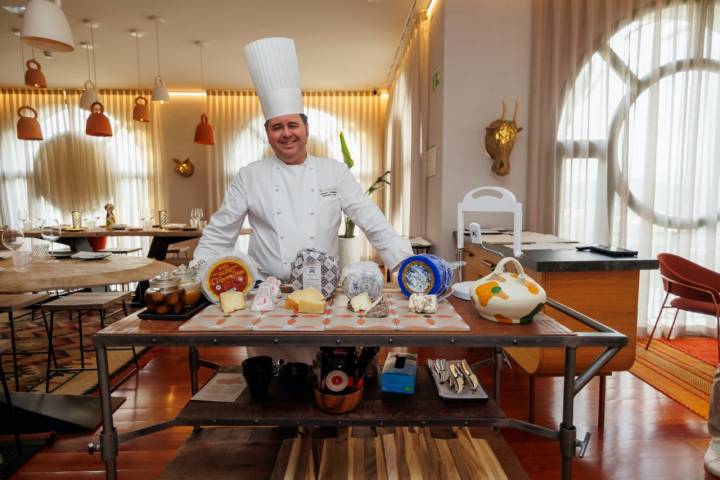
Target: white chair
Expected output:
[490,200]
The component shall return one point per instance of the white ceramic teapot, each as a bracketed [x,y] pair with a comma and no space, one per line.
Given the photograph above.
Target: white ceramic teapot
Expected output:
[508,297]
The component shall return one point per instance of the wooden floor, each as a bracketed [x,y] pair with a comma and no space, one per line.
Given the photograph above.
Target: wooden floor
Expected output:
[646,434]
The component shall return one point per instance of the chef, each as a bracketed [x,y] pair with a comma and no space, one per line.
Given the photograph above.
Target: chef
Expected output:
[292,199]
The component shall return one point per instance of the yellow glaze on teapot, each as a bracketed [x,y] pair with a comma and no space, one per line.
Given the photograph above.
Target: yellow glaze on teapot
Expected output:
[508,297]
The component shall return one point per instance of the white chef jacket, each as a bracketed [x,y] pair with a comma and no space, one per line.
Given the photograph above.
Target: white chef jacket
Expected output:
[292,207]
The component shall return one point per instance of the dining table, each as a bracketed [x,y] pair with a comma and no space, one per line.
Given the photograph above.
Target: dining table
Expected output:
[69,412]
[70,273]
[78,239]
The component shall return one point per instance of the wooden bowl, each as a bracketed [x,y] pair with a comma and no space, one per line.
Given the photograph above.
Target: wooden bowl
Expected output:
[338,403]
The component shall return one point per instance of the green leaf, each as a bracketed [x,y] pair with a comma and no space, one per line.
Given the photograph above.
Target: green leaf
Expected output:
[346,151]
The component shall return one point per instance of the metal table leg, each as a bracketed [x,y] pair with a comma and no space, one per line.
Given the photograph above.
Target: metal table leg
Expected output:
[194,361]
[498,371]
[567,429]
[108,435]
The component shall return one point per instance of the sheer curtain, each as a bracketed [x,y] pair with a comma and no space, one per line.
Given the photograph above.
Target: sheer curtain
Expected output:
[624,120]
[240,137]
[406,134]
[69,170]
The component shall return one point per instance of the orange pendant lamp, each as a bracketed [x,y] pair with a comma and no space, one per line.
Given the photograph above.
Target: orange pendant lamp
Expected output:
[204,132]
[34,77]
[28,128]
[141,110]
[98,124]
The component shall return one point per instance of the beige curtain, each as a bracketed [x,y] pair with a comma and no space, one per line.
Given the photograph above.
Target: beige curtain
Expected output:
[69,170]
[624,119]
[240,137]
[406,134]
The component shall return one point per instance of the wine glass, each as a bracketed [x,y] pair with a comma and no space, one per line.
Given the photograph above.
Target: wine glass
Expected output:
[13,239]
[51,231]
[23,218]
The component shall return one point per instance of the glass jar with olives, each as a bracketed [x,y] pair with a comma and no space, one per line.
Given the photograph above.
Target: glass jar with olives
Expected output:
[188,281]
[164,296]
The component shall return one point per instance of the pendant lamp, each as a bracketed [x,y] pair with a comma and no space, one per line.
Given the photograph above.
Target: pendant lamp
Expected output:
[28,128]
[45,27]
[98,124]
[204,133]
[90,95]
[34,77]
[141,110]
[160,92]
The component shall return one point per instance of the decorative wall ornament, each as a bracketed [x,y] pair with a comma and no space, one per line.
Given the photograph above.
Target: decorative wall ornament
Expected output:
[184,168]
[500,140]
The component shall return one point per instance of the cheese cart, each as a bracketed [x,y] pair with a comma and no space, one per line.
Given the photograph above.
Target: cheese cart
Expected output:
[425,409]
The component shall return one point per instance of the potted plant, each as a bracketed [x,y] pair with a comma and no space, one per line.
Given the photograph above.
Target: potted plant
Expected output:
[348,242]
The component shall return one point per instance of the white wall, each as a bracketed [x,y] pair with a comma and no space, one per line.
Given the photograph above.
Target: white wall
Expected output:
[483,49]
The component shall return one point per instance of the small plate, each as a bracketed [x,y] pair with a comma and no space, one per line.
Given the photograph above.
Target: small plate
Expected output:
[173,226]
[73,229]
[118,226]
[91,255]
[61,254]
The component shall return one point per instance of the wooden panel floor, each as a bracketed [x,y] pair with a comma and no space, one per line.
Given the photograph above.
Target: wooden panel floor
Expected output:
[646,434]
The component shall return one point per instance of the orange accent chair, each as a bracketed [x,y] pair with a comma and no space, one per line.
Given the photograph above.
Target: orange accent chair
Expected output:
[696,289]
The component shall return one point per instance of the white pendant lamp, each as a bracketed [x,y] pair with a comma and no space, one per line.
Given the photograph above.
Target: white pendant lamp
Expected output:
[160,92]
[90,94]
[45,27]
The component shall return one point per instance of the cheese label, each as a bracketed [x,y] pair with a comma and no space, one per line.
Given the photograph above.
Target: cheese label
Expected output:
[312,274]
[228,273]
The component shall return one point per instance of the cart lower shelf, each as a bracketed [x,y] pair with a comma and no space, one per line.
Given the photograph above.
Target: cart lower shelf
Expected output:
[262,453]
[424,408]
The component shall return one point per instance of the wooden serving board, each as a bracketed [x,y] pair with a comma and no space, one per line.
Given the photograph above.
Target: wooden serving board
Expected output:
[335,318]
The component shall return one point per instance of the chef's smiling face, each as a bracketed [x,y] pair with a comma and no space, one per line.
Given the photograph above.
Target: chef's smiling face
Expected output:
[288,136]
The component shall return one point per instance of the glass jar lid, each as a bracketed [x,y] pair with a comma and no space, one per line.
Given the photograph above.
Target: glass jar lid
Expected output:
[164,280]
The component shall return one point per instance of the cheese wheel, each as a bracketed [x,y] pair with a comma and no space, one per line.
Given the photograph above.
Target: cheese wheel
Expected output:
[236,272]
[316,269]
[424,273]
[362,277]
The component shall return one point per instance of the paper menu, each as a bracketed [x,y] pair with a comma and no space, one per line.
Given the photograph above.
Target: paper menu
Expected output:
[223,387]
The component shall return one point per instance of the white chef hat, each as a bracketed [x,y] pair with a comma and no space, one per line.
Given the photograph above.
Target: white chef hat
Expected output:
[274,70]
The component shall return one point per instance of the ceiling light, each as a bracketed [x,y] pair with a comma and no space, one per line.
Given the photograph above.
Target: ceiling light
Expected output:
[160,92]
[90,95]
[45,27]
[204,132]
[141,110]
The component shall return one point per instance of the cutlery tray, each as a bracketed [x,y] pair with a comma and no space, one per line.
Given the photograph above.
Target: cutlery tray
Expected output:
[444,388]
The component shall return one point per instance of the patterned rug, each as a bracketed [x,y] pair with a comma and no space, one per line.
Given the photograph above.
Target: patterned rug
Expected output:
[680,376]
[702,348]
[31,337]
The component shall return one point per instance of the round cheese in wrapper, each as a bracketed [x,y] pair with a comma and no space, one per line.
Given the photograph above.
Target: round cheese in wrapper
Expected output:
[360,277]
[313,268]
[424,273]
[233,272]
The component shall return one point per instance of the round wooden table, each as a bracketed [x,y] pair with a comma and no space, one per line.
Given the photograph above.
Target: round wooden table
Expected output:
[70,273]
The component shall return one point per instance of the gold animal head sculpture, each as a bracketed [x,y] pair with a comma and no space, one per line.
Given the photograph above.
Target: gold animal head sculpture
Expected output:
[184,167]
[500,140]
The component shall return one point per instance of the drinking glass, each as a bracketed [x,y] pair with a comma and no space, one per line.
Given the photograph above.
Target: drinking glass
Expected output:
[13,239]
[50,231]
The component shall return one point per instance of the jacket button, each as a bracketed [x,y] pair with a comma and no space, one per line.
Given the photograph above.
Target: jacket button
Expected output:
[282,237]
[278,212]
[277,189]
[312,213]
[312,237]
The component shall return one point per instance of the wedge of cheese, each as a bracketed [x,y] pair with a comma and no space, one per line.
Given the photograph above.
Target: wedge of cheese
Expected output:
[308,300]
[232,301]
[361,303]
